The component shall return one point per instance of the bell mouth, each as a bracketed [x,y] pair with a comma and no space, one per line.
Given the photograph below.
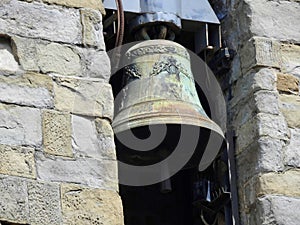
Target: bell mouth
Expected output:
[187,144]
[163,112]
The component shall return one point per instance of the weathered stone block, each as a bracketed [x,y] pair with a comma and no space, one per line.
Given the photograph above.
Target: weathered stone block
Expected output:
[93,138]
[276,210]
[92,28]
[20,126]
[37,55]
[291,152]
[26,50]
[84,97]
[260,51]
[96,64]
[8,62]
[86,171]
[17,161]
[290,107]
[246,135]
[57,133]
[266,102]
[275,19]
[287,83]
[93,4]
[286,184]
[44,203]
[40,21]
[290,59]
[30,89]
[59,59]
[273,126]
[82,205]
[264,79]
[13,200]
[263,155]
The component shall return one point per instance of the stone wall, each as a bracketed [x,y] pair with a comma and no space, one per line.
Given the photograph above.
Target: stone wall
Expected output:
[264,106]
[57,154]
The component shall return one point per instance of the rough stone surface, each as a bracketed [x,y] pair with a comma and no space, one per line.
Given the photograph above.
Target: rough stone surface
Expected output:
[84,97]
[286,184]
[290,59]
[59,59]
[266,102]
[8,62]
[17,161]
[260,51]
[40,21]
[96,63]
[20,126]
[292,153]
[93,4]
[13,200]
[287,83]
[92,28]
[273,126]
[44,203]
[275,19]
[57,133]
[263,155]
[290,107]
[263,79]
[30,89]
[86,171]
[276,210]
[81,205]
[93,138]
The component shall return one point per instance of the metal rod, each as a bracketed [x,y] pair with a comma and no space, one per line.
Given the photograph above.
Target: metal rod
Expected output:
[232,176]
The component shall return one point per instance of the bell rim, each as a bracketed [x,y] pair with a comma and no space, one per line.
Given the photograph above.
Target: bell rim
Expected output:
[174,119]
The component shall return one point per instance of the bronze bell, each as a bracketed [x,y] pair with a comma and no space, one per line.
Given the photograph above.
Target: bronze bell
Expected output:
[159,89]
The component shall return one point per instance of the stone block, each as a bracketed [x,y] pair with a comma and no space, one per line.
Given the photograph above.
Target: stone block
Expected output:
[30,89]
[84,97]
[44,203]
[82,205]
[246,135]
[275,19]
[291,151]
[26,51]
[93,138]
[259,51]
[57,133]
[286,184]
[273,126]
[92,28]
[263,79]
[38,55]
[86,171]
[290,107]
[40,21]
[290,59]
[17,161]
[263,155]
[8,62]
[93,4]
[287,83]
[20,126]
[276,210]
[96,63]
[266,102]
[13,200]
[59,59]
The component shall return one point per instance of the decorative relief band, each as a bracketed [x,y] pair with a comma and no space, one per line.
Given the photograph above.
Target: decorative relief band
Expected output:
[155,49]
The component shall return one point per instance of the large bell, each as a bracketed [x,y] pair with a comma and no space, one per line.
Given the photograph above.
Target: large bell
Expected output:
[159,89]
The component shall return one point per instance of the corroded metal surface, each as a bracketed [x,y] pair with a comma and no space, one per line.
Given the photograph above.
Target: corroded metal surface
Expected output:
[159,88]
